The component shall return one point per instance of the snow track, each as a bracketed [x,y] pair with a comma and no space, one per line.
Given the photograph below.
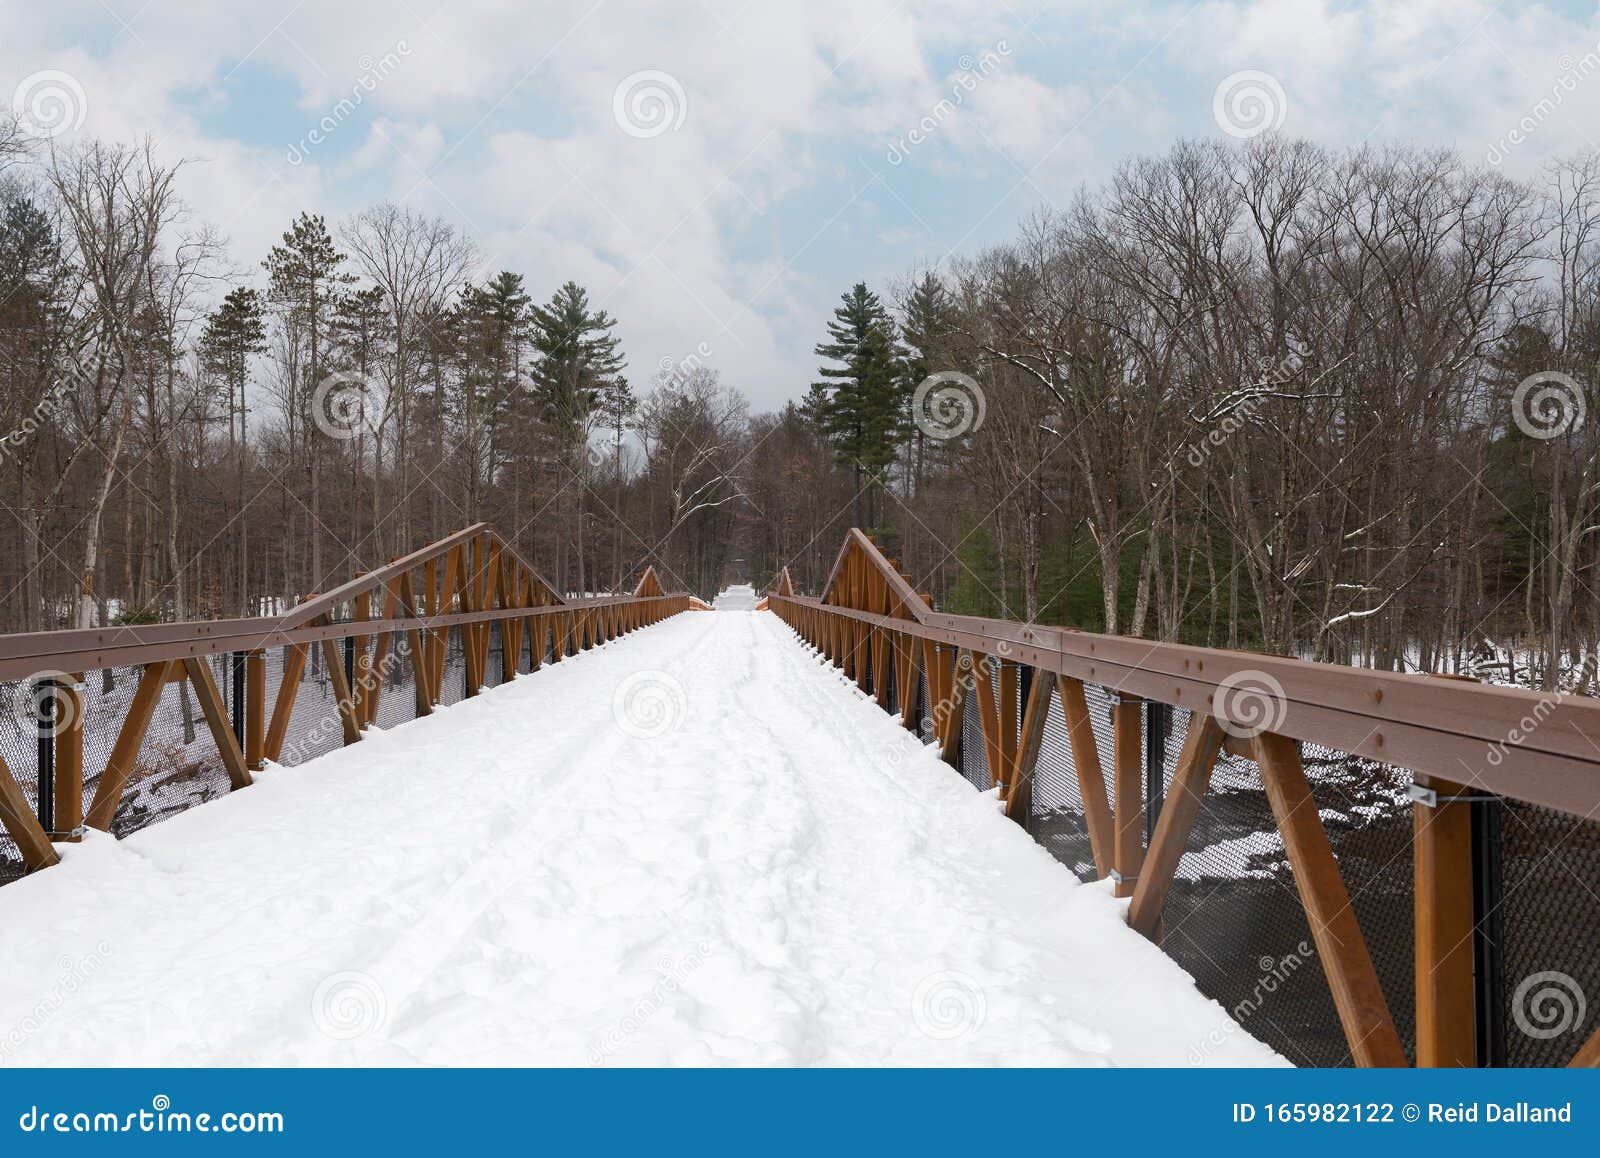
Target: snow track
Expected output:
[694,845]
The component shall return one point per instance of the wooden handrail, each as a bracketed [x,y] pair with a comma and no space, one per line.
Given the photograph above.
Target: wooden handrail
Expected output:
[485,581]
[1543,748]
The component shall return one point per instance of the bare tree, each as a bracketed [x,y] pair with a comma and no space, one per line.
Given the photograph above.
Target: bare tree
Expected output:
[118,202]
[417,261]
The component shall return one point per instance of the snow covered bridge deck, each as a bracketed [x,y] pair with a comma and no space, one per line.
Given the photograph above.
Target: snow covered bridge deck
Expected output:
[693,844]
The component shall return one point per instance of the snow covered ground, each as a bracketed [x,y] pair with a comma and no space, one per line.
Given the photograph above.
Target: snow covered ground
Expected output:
[739,597]
[694,845]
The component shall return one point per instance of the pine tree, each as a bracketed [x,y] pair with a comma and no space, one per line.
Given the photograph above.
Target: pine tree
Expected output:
[234,334]
[491,321]
[305,280]
[576,359]
[860,404]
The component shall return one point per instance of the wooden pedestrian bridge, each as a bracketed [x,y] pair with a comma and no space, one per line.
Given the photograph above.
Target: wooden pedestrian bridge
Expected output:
[1360,867]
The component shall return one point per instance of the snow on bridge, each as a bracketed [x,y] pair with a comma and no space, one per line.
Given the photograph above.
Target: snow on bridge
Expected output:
[694,845]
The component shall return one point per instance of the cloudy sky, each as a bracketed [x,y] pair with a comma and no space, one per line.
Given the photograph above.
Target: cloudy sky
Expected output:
[717,172]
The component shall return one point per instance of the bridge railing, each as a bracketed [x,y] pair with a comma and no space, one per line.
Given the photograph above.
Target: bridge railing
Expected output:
[118,727]
[1362,866]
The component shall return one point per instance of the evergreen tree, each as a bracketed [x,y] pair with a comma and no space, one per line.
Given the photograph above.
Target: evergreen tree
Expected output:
[860,403]
[360,325]
[305,280]
[234,333]
[617,405]
[576,359]
[491,322]
[304,277]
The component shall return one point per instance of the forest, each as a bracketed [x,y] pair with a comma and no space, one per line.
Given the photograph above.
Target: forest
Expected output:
[1263,394]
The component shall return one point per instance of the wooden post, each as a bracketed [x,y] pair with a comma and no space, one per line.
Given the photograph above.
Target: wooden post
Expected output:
[880,667]
[538,635]
[383,646]
[954,702]
[1442,867]
[69,759]
[363,665]
[1091,778]
[1127,723]
[1588,1055]
[341,691]
[421,681]
[216,714]
[255,710]
[1006,706]
[22,824]
[1363,1011]
[907,677]
[1019,793]
[469,631]
[294,666]
[1201,745]
[994,749]
[430,638]
[125,752]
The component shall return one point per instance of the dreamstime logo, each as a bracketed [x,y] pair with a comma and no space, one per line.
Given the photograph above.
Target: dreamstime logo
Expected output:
[948,1005]
[649,704]
[50,103]
[1573,73]
[1548,1004]
[1521,730]
[1250,702]
[372,73]
[1548,404]
[331,723]
[31,425]
[1249,103]
[671,974]
[1241,407]
[1276,972]
[649,103]
[74,972]
[671,374]
[964,83]
[37,703]
[948,404]
[962,685]
[345,403]
[349,1005]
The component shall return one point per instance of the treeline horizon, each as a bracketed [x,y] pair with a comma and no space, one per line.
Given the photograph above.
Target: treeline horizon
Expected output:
[1319,402]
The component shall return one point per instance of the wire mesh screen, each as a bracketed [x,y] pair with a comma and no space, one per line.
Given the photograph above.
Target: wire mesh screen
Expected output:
[974,759]
[924,703]
[1550,916]
[1234,919]
[494,671]
[178,765]
[453,687]
[1368,818]
[315,728]
[395,681]
[1058,821]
